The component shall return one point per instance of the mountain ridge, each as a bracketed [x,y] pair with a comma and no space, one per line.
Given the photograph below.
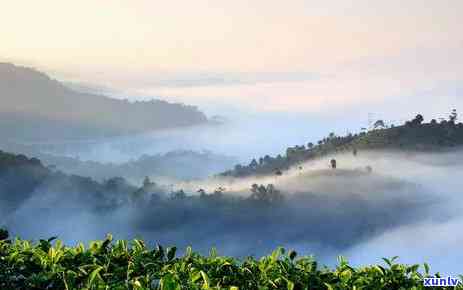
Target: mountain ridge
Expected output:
[414,135]
[31,101]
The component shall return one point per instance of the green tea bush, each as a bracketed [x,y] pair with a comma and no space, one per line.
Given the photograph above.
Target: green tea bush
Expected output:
[105,264]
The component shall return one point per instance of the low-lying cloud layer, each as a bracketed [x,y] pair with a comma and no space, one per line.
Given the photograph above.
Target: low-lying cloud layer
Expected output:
[408,206]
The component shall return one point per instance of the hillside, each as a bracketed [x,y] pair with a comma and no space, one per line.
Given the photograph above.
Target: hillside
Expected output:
[36,107]
[182,165]
[414,135]
[23,178]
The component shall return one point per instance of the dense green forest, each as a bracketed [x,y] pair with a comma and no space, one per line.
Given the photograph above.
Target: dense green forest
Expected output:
[413,135]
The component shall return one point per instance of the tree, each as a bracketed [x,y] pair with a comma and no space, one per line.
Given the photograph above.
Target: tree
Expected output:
[218,192]
[147,182]
[453,116]
[417,121]
[333,163]
[419,118]
[238,167]
[202,193]
[253,163]
[254,188]
[178,195]
[310,145]
[267,159]
[379,124]
[273,195]
[265,194]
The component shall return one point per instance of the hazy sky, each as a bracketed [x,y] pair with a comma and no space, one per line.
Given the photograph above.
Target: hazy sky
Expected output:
[265,55]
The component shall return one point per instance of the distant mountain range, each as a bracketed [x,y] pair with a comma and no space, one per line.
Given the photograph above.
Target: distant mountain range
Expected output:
[35,107]
[174,165]
[180,165]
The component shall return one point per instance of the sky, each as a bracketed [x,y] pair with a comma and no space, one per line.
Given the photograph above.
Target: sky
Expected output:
[285,56]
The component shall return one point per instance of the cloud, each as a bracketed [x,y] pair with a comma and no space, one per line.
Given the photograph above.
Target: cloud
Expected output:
[199,79]
[326,213]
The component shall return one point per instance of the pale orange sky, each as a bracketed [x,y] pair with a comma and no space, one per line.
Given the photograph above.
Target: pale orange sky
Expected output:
[359,49]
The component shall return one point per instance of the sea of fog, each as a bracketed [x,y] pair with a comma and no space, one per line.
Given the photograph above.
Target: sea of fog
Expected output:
[410,206]
[243,136]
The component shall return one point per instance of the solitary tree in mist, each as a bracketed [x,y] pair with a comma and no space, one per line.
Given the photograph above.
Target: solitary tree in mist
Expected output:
[333,163]
[379,124]
[453,116]
[202,193]
[419,119]
[218,192]
[369,169]
[253,164]
[147,182]
[415,122]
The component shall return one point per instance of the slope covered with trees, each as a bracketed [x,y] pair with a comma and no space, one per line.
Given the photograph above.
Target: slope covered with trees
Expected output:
[23,178]
[414,135]
[36,107]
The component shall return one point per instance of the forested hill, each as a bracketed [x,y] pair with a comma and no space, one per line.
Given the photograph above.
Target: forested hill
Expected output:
[36,107]
[413,135]
[22,178]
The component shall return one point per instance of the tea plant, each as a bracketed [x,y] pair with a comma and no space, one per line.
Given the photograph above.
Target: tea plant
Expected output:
[105,264]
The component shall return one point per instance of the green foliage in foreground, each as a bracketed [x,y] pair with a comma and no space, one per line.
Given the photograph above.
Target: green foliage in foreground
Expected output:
[122,265]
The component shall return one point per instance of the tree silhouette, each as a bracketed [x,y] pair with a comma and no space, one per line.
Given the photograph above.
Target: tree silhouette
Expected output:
[180,194]
[379,124]
[253,163]
[265,194]
[369,169]
[333,163]
[147,182]
[202,193]
[453,116]
[417,121]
